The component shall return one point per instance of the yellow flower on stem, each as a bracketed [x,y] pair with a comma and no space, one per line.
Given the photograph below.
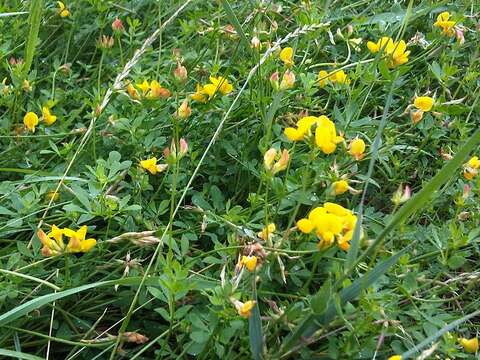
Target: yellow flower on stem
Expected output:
[267,232]
[144,86]
[184,111]
[357,149]
[424,103]
[340,187]
[326,137]
[396,52]
[305,226]
[282,163]
[30,120]
[77,242]
[286,55]
[158,91]
[250,262]
[200,95]
[470,169]
[132,91]
[48,117]
[443,22]
[220,84]
[151,166]
[469,345]
[62,9]
[244,309]
[288,80]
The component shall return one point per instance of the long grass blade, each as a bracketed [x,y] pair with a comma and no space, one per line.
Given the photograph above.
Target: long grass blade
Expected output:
[36,7]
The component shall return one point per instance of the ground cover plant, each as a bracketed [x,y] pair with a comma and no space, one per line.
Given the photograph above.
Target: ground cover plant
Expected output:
[236,180]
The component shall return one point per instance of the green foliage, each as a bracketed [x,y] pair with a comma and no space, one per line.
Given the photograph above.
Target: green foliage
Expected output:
[171,273]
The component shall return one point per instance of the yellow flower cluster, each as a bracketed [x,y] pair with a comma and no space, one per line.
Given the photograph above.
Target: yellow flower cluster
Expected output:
[30,120]
[396,52]
[53,241]
[443,22]
[469,345]
[267,232]
[62,9]
[326,137]
[338,77]
[152,90]
[208,91]
[330,222]
[470,169]
[152,167]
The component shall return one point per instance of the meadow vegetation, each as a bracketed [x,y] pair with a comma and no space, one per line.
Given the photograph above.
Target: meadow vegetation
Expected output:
[239,179]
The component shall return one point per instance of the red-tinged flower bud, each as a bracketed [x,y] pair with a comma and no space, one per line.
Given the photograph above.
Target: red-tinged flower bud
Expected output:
[117,25]
[183,147]
[180,73]
[288,80]
[274,80]
[459,35]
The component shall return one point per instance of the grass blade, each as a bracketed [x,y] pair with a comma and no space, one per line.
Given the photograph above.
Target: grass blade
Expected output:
[36,7]
[18,355]
[236,24]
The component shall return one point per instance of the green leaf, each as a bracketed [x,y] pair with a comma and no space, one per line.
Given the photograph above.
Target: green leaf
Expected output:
[255,333]
[36,8]
[320,300]
[236,24]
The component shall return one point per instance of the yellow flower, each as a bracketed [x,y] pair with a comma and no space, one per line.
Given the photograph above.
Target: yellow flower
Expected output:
[357,149]
[250,262]
[200,95]
[48,117]
[396,52]
[340,187]
[470,169]
[151,166]
[53,241]
[293,134]
[470,345]
[286,55]
[322,78]
[217,84]
[245,309]
[305,226]
[445,24]
[77,242]
[144,86]
[157,91]
[267,231]
[395,357]
[331,222]
[132,91]
[424,103]
[184,111]
[340,77]
[288,80]
[30,120]
[326,135]
[62,9]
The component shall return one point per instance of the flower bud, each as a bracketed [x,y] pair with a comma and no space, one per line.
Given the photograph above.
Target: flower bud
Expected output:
[269,158]
[255,43]
[401,195]
[416,116]
[183,147]
[180,73]
[282,163]
[288,80]
[459,35]
[117,25]
[184,111]
[274,81]
[105,42]
[26,86]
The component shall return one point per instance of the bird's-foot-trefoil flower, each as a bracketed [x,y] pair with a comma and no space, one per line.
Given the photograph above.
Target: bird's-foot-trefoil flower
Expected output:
[445,24]
[357,148]
[244,309]
[340,187]
[469,345]
[152,167]
[424,103]
[171,153]
[401,195]
[267,232]
[396,53]
[53,243]
[330,222]
[180,73]
[117,25]
[470,169]
[338,77]
[286,55]
[30,120]
[62,9]
[395,357]
[250,262]
[47,116]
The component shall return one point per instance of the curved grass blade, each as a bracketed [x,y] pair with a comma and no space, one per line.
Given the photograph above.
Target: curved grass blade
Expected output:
[236,24]
[255,327]
[34,19]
